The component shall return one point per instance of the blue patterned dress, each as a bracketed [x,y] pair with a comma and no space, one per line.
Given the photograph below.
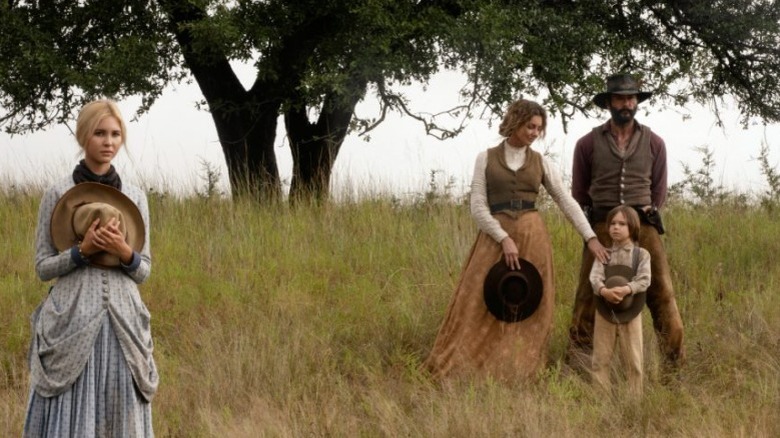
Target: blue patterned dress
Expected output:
[92,373]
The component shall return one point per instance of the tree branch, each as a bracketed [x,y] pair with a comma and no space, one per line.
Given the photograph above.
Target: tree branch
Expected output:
[389,100]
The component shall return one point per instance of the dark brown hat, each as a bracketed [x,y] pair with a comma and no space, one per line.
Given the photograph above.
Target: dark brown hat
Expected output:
[513,295]
[629,308]
[620,84]
[81,205]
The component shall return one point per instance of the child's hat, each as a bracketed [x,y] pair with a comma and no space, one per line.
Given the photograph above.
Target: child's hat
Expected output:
[631,305]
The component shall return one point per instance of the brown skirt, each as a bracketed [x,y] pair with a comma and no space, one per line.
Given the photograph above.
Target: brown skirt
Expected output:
[471,340]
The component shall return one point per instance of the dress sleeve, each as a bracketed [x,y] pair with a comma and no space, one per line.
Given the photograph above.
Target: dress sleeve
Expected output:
[141,265]
[554,185]
[480,210]
[50,263]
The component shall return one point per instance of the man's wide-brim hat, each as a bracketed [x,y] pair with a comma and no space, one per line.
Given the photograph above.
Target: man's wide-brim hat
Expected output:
[620,84]
[631,305]
[81,205]
[513,295]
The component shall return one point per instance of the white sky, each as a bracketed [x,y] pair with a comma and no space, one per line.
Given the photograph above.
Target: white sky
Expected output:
[168,146]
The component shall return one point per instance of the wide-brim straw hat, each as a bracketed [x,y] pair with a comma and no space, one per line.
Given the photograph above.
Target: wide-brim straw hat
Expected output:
[513,295]
[629,307]
[81,205]
[620,84]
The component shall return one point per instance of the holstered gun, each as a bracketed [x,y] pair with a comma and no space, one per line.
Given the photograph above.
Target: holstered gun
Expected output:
[653,218]
[588,210]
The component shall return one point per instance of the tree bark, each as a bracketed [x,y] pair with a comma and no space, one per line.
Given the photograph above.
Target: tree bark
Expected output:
[314,146]
[245,120]
[247,140]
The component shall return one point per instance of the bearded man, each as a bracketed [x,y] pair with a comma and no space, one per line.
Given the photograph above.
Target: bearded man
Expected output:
[624,162]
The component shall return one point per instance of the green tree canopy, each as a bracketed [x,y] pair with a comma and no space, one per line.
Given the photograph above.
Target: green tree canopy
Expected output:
[315,60]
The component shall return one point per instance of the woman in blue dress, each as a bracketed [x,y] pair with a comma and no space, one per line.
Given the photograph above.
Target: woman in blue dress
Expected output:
[92,373]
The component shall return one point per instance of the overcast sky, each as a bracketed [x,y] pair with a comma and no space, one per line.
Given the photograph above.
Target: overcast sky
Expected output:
[169,145]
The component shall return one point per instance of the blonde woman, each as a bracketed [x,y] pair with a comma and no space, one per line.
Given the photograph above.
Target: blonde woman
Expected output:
[475,338]
[91,367]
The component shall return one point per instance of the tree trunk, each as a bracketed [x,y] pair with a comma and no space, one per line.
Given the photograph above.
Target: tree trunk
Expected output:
[314,146]
[245,120]
[247,138]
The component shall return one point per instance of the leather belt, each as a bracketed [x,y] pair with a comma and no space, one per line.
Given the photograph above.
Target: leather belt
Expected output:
[513,205]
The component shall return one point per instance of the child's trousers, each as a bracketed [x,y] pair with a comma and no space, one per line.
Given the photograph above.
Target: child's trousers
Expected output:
[628,340]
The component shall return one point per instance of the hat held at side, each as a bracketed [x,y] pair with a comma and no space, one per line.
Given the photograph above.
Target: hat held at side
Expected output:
[513,295]
[81,205]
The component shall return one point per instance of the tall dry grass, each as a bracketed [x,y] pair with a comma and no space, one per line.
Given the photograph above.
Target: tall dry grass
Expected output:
[313,321]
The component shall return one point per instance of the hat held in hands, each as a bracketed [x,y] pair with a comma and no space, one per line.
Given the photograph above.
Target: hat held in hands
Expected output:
[630,306]
[81,205]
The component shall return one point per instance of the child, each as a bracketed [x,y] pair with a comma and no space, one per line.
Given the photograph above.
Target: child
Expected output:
[620,287]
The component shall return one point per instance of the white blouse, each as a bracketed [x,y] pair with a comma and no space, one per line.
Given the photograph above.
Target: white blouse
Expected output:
[551,180]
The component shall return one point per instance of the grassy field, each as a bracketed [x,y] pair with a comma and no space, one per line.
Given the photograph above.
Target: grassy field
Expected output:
[314,320]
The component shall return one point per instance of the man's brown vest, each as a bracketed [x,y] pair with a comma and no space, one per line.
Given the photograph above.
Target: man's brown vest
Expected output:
[505,185]
[617,179]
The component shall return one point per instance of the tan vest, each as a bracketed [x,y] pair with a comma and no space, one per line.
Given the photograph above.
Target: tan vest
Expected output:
[617,179]
[504,184]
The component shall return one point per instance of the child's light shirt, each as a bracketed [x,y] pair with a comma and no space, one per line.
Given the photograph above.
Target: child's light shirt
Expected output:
[623,255]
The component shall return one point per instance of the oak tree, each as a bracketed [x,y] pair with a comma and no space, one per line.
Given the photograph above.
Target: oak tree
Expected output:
[315,60]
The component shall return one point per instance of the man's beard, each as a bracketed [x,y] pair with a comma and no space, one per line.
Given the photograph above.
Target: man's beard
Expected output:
[621,116]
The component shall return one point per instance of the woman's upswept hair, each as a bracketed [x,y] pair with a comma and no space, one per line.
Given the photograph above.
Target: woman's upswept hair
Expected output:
[632,219]
[520,112]
[90,116]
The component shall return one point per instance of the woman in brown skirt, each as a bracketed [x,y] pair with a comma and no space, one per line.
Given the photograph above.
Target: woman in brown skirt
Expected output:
[506,182]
